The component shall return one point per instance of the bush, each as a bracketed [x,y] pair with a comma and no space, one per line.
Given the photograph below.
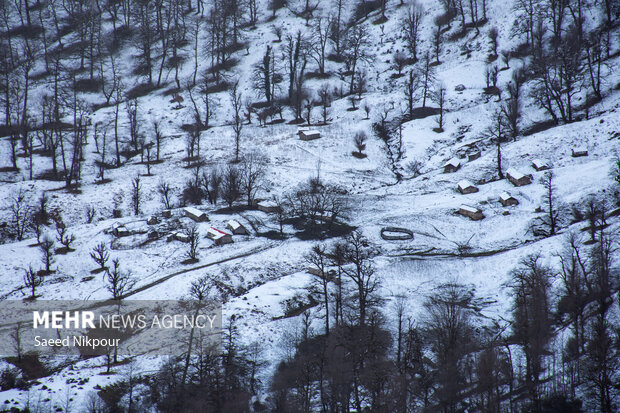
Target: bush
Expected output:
[10,378]
[364,8]
[192,193]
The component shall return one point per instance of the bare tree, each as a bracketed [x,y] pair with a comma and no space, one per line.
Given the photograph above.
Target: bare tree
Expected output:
[325,99]
[118,281]
[399,60]
[318,45]
[602,357]
[574,274]
[493,34]
[198,123]
[100,255]
[551,218]
[437,41]
[411,28]
[264,75]
[237,121]
[158,138]
[194,242]
[136,194]
[532,318]
[359,140]
[317,259]
[165,191]
[355,51]
[440,99]
[20,213]
[32,280]
[450,331]
[131,106]
[62,235]
[427,78]
[366,108]
[362,273]
[512,106]
[252,175]
[118,96]
[595,59]
[296,53]
[148,146]
[231,185]
[211,184]
[47,252]
[281,213]
[496,132]
[308,106]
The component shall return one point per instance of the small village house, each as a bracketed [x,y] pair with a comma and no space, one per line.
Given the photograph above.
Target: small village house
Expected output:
[195,214]
[267,206]
[466,187]
[452,165]
[540,165]
[219,237]
[120,230]
[506,199]
[181,236]
[236,228]
[473,155]
[517,178]
[473,213]
[308,135]
[578,152]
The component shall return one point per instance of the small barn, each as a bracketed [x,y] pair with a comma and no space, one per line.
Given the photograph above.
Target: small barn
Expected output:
[195,214]
[473,155]
[308,135]
[540,165]
[506,199]
[469,211]
[578,152]
[315,271]
[236,228]
[219,237]
[517,178]
[181,236]
[466,187]
[120,230]
[452,165]
[267,206]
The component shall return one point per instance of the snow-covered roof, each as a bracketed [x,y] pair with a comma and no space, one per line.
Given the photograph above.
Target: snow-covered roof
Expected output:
[193,211]
[469,208]
[310,132]
[515,174]
[181,236]
[267,204]
[233,224]
[539,163]
[464,183]
[505,196]
[215,233]
[453,162]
